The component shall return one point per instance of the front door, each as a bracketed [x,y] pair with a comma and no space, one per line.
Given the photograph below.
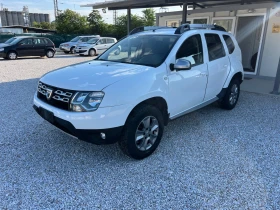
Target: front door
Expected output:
[25,47]
[187,88]
[248,36]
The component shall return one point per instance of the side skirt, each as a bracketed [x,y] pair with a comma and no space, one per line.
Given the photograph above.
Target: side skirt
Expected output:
[194,108]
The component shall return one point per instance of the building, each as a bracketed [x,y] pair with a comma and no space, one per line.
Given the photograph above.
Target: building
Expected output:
[255,23]
[12,18]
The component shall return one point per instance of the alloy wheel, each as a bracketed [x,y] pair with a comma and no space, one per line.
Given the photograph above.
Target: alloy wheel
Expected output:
[147,133]
[233,94]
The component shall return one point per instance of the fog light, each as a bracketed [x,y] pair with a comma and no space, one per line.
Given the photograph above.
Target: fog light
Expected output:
[103,135]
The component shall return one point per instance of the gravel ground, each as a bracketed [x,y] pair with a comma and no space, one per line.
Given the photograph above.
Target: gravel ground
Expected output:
[209,159]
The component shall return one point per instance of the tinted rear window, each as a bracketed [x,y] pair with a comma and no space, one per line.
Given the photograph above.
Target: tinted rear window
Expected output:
[230,44]
[215,46]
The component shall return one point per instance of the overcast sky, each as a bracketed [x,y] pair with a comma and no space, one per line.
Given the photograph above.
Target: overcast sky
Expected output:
[46,6]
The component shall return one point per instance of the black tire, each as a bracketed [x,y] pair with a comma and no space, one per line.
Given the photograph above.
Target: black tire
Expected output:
[128,140]
[72,50]
[50,53]
[231,97]
[12,55]
[66,52]
[92,52]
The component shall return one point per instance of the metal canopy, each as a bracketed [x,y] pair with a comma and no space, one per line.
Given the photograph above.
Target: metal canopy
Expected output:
[134,4]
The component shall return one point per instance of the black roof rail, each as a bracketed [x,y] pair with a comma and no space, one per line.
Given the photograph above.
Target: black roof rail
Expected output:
[147,28]
[186,27]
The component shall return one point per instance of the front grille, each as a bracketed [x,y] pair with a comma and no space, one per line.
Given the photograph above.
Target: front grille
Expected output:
[56,97]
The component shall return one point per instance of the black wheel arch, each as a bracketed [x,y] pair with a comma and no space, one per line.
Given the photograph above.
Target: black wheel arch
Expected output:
[159,103]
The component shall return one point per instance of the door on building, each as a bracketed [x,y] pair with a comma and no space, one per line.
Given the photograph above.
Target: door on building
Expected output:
[249,34]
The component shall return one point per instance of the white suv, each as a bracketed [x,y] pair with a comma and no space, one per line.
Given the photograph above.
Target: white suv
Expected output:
[129,95]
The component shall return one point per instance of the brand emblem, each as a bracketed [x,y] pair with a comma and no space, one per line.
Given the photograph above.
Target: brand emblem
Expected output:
[49,93]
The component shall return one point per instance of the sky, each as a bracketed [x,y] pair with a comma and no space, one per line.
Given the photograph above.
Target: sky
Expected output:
[46,6]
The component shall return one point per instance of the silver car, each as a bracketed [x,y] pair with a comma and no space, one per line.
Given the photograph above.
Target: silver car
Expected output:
[69,47]
[95,46]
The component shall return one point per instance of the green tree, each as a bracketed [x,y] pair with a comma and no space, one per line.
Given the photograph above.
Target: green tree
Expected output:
[149,17]
[121,24]
[96,23]
[70,22]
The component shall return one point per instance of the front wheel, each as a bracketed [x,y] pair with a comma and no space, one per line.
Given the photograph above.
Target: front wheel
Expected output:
[231,97]
[12,56]
[92,52]
[72,50]
[142,132]
[50,53]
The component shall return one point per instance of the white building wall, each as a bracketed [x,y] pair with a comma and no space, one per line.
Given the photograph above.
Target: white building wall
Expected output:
[271,52]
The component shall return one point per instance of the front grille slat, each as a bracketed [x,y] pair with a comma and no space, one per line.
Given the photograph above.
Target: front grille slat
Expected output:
[54,96]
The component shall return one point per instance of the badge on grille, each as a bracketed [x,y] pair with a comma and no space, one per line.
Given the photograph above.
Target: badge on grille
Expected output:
[49,93]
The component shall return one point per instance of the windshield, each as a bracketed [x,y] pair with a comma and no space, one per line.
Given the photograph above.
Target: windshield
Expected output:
[147,50]
[10,40]
[75,39]
[92,41]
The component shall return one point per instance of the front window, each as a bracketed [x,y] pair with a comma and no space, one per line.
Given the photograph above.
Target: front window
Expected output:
[147,50]
[92,41]
[75,39]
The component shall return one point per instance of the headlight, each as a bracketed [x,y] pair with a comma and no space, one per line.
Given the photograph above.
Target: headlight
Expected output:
[86,101]
[1,49]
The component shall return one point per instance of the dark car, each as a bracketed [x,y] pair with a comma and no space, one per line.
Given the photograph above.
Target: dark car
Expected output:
[27,46]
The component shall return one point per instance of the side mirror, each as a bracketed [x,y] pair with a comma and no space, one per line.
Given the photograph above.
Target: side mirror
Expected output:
[181,65]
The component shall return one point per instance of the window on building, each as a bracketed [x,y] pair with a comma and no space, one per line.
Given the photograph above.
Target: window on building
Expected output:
[230,44]
[192,50]
[215,47]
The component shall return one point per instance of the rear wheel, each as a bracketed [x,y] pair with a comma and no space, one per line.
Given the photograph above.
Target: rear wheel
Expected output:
[50,53]
[142,132]
[231,97]
[92,52]
[12,55]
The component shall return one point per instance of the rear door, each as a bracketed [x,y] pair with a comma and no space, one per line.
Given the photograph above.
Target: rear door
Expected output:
[39,46]
[25,47]
[218,65]
[109,42]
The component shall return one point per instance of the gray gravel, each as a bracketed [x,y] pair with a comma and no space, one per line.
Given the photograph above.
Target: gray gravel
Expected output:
[209,159]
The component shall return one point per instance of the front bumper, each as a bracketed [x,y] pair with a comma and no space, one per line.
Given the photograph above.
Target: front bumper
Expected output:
[88,126]
[3,55]
[112,135]
[63,48]
[81,51]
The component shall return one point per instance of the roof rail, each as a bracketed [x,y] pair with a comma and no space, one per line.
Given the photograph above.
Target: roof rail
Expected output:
[146,28]
[186,27]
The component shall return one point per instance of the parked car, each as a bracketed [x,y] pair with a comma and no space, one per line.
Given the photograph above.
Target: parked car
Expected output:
[95,46]
[69,47]
[27,46]
[128,96]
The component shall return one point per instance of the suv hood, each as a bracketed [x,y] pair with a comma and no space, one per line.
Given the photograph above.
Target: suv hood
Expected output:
[90,76]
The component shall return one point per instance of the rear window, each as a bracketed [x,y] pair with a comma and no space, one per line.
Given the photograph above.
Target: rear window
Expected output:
[110,41]
[230,43]
[47,41]
[215,47]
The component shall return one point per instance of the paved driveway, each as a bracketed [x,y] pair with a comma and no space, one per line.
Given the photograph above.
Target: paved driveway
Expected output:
[209,159]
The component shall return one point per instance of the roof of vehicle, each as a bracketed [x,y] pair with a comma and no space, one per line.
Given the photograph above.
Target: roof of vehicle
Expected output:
[91,36]
[176,31]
